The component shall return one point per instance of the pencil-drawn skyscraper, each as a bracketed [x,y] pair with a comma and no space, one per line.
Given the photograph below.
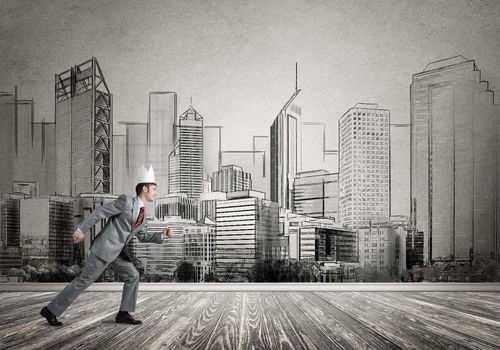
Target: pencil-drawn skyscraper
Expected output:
[454,159]
[364,175]
[284,157]
[161,134]
[186,160]
[84,123]
[400,169]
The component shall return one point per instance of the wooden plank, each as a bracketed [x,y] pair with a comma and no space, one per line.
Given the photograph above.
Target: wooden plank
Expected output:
[255,327]
[329,319]
[477,306]
[201,332]
[348,328]
[403,329]
[320,330]
[454,326]
[281,328]
[164,321]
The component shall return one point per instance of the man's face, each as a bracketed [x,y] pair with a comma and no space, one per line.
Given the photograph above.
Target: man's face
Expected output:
[149,193]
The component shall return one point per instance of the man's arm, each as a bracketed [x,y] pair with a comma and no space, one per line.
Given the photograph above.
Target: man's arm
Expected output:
[103,212]
[155,237]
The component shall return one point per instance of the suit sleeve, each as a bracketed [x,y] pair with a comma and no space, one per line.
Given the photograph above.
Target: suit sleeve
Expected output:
[103,212]
[152,237]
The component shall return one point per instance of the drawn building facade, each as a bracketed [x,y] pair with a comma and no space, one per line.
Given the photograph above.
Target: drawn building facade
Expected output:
[311,238]
[162,259]
[454,162]
[247,231]
[316,194]
[10,234]
[378,245]
[46,229]
[231,178]
[176,205]
[199,248]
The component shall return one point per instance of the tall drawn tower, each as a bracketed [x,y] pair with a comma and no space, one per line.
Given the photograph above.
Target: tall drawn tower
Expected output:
[161,134]
[84,123]
[186,159]
[284,136]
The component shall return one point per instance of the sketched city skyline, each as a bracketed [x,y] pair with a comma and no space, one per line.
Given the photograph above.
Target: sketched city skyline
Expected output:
[298,123]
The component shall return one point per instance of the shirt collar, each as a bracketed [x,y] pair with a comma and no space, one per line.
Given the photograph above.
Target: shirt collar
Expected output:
[139,202]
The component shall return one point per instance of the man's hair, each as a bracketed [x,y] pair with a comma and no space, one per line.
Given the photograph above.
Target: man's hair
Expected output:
[138,187]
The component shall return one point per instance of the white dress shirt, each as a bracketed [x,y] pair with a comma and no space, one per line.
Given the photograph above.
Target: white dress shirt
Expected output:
[137,206]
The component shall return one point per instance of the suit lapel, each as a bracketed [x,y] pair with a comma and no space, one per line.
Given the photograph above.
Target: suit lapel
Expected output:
[135,211]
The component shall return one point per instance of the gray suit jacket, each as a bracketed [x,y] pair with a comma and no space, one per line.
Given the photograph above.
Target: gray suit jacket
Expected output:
[118,230]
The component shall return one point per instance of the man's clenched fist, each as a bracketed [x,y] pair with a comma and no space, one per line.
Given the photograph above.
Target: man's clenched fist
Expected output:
[78,236]
[168,233]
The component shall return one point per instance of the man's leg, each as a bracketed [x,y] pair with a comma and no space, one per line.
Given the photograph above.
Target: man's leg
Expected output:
[92,269]
[130,276]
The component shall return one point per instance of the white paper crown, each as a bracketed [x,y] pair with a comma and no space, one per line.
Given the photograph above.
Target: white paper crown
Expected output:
[146,175]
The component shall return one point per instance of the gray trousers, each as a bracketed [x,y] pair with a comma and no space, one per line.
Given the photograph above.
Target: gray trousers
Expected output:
[91,271]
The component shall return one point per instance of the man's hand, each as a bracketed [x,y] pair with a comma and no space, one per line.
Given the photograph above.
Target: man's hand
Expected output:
[78,236]
[168,233]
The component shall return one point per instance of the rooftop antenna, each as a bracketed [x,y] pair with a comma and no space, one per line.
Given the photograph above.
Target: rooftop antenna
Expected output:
[296,74]
[191,104]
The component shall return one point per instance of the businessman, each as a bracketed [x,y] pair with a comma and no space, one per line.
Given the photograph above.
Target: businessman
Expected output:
[125,219]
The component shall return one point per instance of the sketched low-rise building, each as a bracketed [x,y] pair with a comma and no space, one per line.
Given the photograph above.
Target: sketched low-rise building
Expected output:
[176,204]
[207,207]
[247,231]
[46,228]
[231,178]
[10,236]
[414,249]
[199,248]
[379,245]
[318,239]
[163,259]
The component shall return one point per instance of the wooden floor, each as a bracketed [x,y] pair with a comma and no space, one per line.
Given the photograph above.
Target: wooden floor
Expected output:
[258,320]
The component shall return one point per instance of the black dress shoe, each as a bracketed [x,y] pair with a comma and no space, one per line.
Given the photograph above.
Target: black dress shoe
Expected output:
[51,318]
[125,317]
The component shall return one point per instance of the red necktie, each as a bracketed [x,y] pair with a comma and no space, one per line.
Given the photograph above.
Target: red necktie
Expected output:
[140,217]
